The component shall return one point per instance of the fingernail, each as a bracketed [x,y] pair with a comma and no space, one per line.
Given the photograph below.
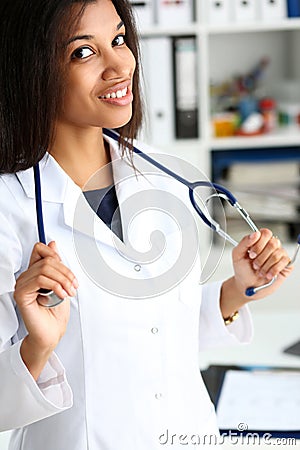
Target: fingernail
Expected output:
[255,266]
[64,293]
[75,283]
[252,235]
[73,291]
[252,255]
[269,276]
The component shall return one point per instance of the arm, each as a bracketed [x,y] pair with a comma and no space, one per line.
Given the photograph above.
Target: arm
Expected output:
[33,382]
[45,326]
[221,300]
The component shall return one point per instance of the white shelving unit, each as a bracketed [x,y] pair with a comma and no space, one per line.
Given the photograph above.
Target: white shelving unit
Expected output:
[222,51]
[279,39]
[225,50]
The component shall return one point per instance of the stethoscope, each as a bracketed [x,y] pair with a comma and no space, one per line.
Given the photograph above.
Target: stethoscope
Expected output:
[49,299]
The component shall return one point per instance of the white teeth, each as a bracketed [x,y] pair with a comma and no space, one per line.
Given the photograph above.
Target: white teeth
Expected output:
[118,94]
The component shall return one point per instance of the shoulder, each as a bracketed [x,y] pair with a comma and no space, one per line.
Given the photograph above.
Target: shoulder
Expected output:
[11,192]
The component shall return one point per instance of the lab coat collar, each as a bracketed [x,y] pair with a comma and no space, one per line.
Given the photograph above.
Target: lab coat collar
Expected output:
[56,184]
[58,187]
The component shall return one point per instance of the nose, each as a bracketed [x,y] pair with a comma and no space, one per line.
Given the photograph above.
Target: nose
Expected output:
[118,64]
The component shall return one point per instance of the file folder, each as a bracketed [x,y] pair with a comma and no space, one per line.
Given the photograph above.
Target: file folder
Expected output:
[245,10]
[157,63]
[293,8]
[185,60]
[252,395]
[143,12]
[219,11]
[175,12]
[272,10]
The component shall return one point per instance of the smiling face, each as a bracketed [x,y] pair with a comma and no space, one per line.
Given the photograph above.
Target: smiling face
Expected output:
[99,69]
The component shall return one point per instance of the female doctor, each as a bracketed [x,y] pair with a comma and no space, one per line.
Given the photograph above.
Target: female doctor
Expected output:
[107,368]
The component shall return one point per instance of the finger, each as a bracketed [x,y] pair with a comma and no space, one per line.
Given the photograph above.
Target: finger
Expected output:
[51,279]
[29,287]
[272,248]
[42,271]
[242,249]
[53,246]
[49,268]
[277,262]
[256,249]
[59,273]
[40,251]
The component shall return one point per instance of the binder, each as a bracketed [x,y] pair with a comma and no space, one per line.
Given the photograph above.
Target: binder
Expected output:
[215,378]
[272,10]
[175,12]
[245,10]
[157,63]
[186,89]
[144,12]
[219,12]
[293,8]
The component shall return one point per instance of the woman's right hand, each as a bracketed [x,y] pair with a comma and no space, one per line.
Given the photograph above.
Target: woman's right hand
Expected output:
[45,326]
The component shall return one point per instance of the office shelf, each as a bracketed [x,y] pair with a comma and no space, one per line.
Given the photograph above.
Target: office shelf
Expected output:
[223,51]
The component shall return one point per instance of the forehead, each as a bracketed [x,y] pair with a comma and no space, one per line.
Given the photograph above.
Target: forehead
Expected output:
[98,15]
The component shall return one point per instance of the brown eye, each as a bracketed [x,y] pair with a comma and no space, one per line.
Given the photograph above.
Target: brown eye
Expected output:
[82,53]
[119,40]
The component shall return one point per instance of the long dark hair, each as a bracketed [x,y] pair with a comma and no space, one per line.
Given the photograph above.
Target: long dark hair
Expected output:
[32,33]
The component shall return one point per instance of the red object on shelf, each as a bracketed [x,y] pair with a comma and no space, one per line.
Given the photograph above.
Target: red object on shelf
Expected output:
[267,107]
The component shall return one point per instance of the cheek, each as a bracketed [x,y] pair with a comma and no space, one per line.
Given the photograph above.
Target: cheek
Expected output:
[131,61]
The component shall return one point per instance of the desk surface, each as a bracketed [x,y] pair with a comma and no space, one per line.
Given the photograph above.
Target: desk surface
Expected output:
[273,331]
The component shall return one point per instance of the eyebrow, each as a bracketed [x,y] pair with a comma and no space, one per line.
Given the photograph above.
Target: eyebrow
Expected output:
[88,37]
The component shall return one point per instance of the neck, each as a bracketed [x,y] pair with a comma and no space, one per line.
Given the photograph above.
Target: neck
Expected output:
[82,153]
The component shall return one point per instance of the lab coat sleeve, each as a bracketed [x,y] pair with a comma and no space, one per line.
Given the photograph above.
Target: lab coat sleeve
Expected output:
[212,330]
[22,400]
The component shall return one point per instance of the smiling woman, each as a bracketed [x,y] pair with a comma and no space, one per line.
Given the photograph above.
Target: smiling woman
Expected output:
[48,31]
[113,362]
[98,62]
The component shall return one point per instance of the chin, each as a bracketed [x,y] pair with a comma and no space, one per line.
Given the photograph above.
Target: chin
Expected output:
[118,122]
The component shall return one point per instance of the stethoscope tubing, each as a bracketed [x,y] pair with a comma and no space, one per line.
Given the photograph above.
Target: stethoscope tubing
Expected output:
[46,298]
[50,299]
[225,193]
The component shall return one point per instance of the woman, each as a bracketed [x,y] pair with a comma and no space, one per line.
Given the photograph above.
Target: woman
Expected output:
[100,370]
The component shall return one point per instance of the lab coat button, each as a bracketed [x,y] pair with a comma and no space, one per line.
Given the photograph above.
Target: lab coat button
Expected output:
[137,268]
[154,330]
[158,396]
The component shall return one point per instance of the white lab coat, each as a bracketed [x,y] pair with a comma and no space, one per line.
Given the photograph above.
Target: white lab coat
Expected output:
[125,375]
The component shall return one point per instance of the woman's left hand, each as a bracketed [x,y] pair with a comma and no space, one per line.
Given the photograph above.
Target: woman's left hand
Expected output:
[256,260]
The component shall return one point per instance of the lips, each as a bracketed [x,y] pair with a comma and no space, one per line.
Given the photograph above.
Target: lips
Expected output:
[115,94]
[119,94]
